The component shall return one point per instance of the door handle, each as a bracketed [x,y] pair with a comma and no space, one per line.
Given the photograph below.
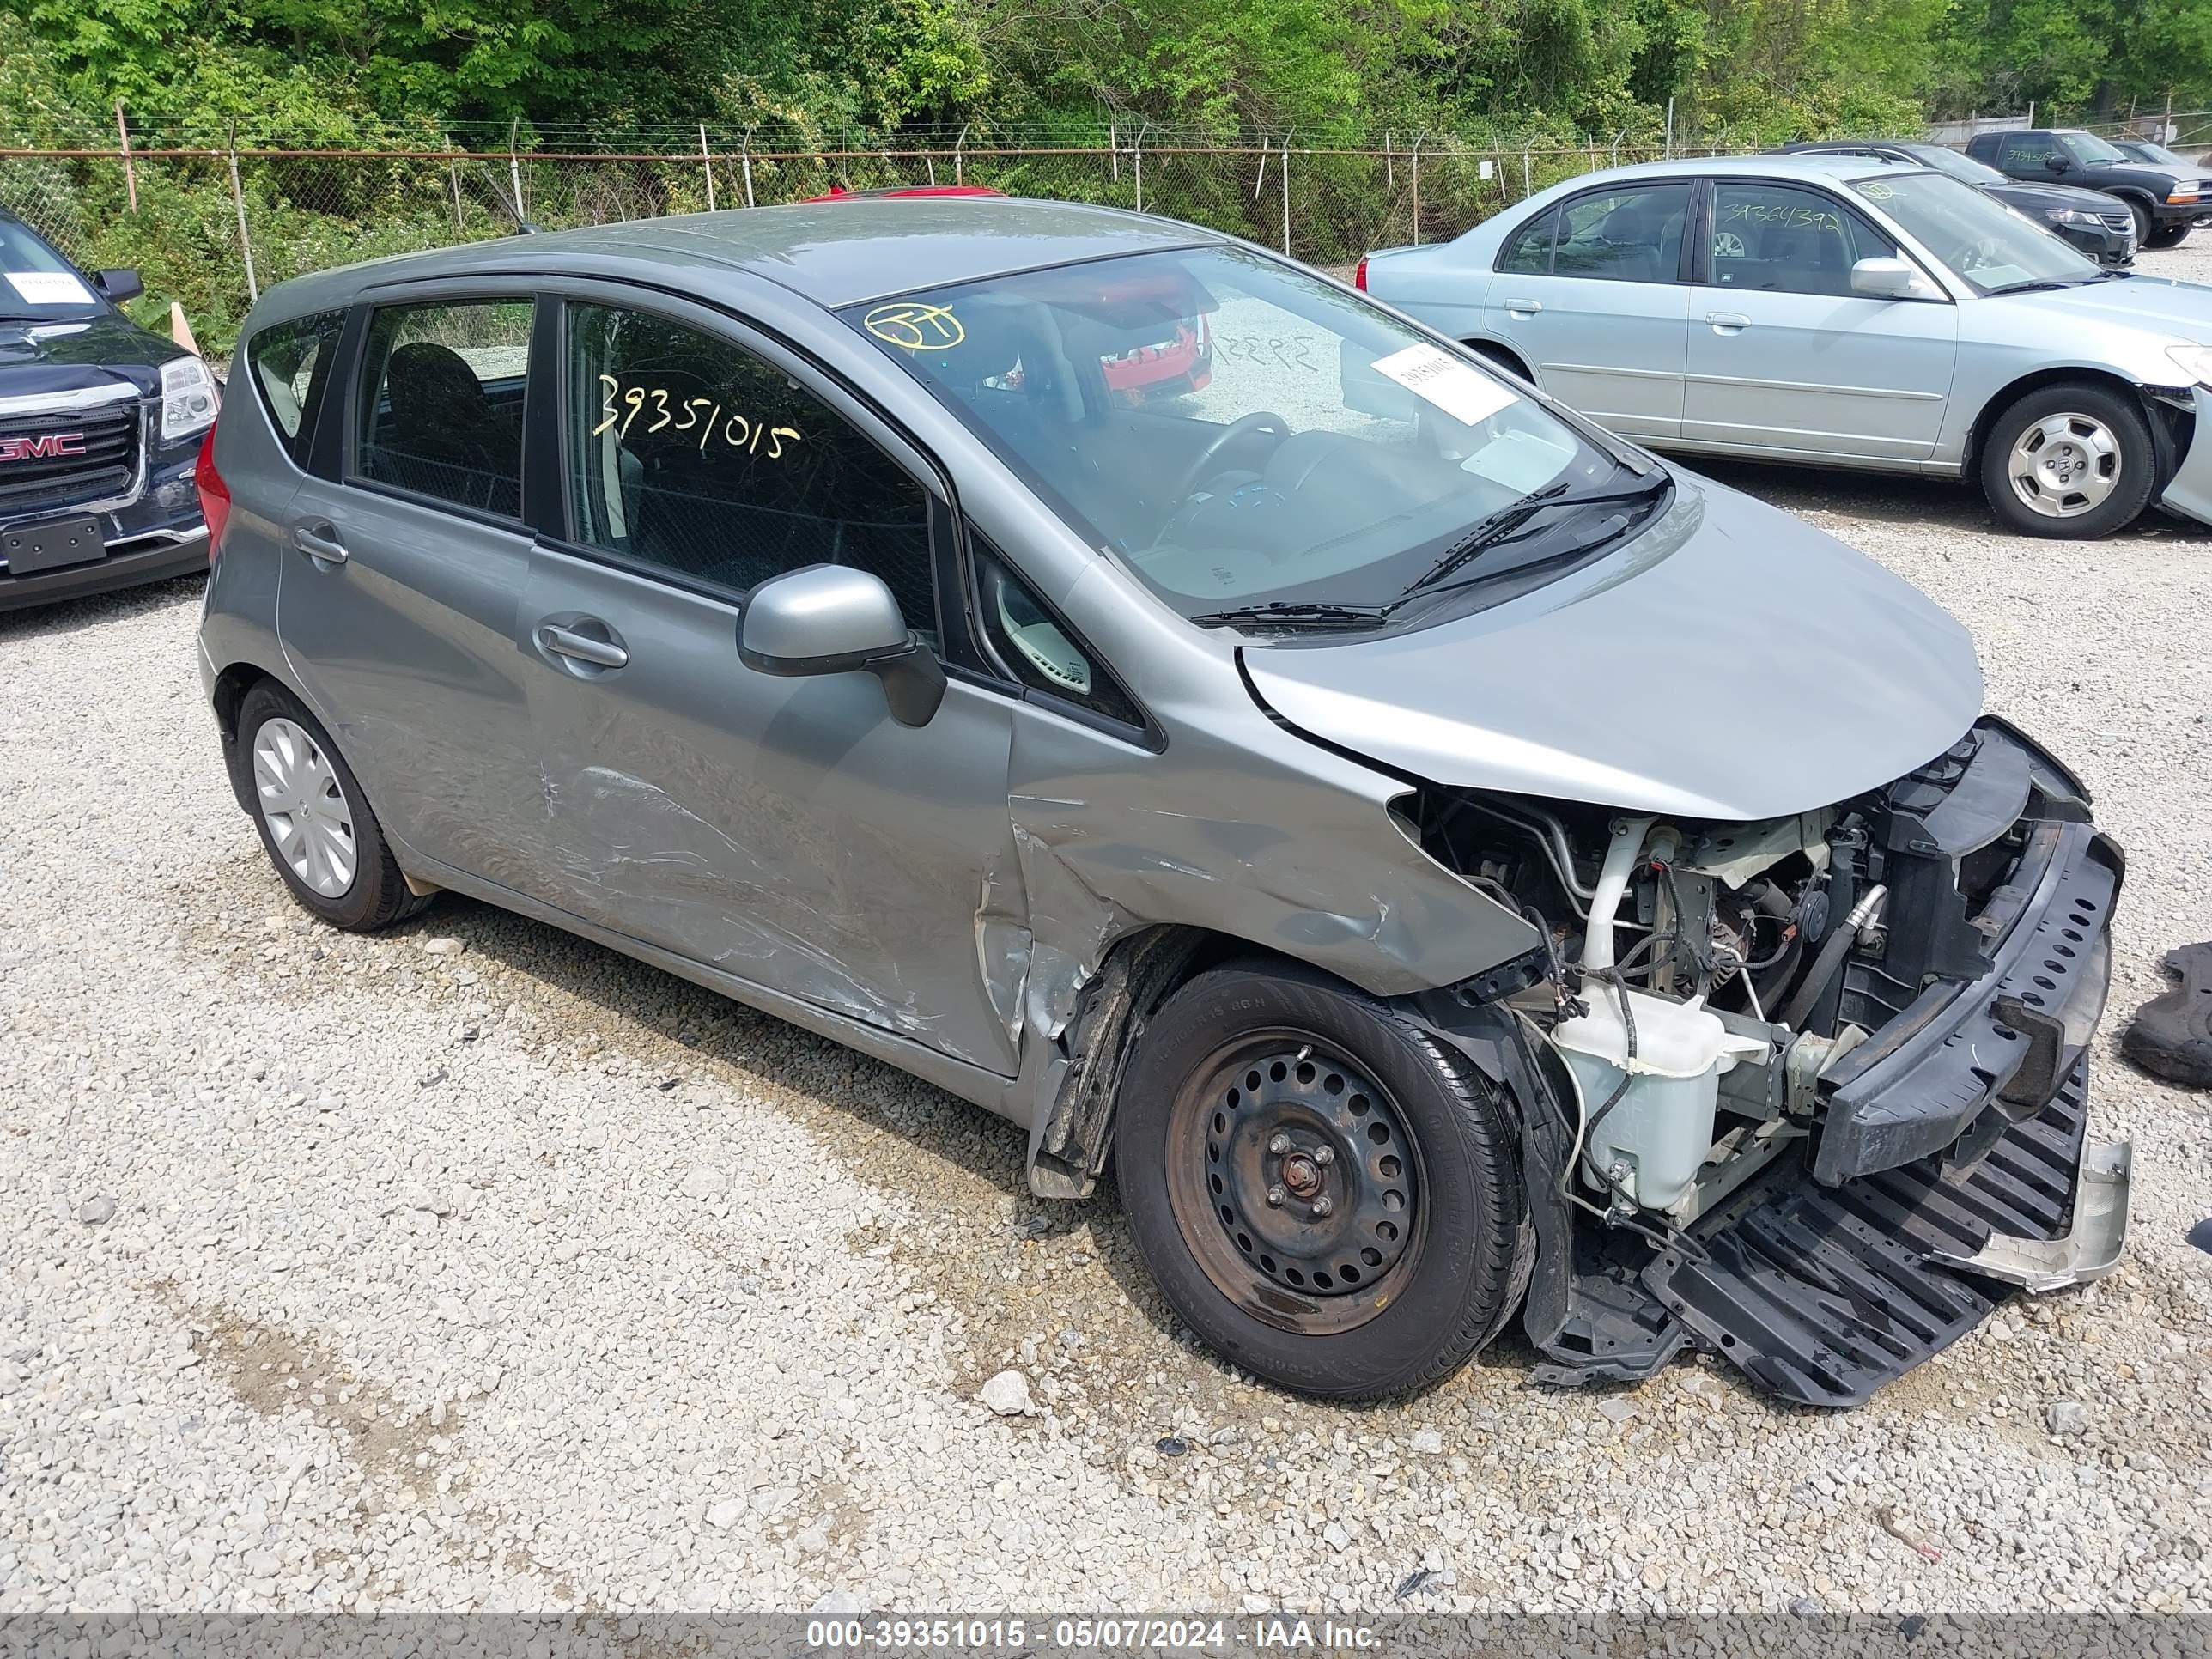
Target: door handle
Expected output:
[319,542]
[1728,322]
[565,642]
[1524,307]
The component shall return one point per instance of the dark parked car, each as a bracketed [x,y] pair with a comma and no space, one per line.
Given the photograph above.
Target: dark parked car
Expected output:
[2165,200]
[2101,226]
[100,424]
[2141,150]
[1265,789]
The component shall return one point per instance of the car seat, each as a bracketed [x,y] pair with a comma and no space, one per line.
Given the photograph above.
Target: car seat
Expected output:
[443,437]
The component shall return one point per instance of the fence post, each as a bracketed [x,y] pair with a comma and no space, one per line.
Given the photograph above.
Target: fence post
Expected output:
[238,200]
[131,171]
[1528,188]
[2030,112]
[514,172]
[1670,130]
[706,162]
[958,175]
[1389,164]
[1417,190]
[1137,161]
[453,172]
[745,151]
[1286,196]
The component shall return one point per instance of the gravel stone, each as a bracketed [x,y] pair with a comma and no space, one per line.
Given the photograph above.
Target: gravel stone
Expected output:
[2065,1417]
[96,1212]
[1008,1394]
[219,1401]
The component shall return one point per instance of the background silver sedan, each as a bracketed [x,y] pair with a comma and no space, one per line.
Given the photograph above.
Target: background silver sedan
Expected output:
[1842,310]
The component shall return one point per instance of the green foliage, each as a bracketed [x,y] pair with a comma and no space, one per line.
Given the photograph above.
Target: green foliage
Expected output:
[1471,79]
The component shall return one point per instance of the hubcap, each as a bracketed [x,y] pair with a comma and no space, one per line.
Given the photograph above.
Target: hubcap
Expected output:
[304,807]
[2065,466]
[1296,1182]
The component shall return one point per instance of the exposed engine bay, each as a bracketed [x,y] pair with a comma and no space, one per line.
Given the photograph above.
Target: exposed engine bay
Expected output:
[1737,1031]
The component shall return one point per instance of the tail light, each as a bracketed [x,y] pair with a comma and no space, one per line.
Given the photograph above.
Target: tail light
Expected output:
[1359,276]
[215,494]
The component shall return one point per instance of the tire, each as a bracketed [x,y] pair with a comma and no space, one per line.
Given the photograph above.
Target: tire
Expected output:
[2101,465]
[1425,1248]
[2144,229]
[287,757]
[2166,236]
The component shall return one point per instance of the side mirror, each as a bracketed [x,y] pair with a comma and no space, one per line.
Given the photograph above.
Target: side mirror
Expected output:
[118,285]
[1885,279]
[2057,163]
[829,619]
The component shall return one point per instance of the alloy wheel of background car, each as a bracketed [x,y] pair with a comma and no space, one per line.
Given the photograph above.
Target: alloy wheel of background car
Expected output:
[313,817]
[306,808]
[1322,1189]
[2068,460]
[1289,1166]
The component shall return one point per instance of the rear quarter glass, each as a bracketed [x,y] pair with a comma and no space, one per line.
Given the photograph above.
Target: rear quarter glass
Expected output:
[290,364]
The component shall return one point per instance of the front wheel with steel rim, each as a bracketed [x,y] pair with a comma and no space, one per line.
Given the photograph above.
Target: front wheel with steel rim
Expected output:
[1329,1196]
[313,819]
[2075,460]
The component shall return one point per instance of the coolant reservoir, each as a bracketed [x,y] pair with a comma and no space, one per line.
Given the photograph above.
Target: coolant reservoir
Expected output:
[1655,1140]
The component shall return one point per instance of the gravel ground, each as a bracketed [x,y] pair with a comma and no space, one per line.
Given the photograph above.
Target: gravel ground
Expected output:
[473,1267]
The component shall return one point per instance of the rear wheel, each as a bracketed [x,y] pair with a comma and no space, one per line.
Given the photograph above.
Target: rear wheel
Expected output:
[1327,1194]
[2166,236]
[313,819]
[2068,460]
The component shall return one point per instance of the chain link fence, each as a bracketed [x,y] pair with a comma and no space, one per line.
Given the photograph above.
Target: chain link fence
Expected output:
[209,229]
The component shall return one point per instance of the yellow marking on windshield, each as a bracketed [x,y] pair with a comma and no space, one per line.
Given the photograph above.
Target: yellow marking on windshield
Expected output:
[912,325]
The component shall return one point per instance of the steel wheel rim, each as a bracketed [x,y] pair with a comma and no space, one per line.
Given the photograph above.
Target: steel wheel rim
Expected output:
[1345,1232]
[2064,465]
[305,807]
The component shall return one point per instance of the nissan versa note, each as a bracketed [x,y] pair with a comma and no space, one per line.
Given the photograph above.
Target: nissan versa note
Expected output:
[1449,864]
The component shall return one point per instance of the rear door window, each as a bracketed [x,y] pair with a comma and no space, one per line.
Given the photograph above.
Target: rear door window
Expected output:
[1633,235]
[443,414]
[291,364]
[1528,254]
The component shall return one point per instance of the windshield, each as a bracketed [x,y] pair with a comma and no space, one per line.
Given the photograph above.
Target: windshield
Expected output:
[2088,147]
[36,283]
[1945,159]
[1247,437]
[1980,238]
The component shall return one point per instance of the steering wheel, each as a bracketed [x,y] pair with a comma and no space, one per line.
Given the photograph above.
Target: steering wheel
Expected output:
[1201,464]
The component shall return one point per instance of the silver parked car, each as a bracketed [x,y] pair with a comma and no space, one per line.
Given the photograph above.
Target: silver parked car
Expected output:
[1851,311]
[1448,863]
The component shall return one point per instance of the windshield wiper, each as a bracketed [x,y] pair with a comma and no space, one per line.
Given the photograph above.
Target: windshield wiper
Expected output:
[1322,612]
[2035,285]
[1489,532]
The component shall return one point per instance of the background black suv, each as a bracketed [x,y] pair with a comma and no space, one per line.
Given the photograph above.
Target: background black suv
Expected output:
[101,422]
[2100,226]
[2166,201]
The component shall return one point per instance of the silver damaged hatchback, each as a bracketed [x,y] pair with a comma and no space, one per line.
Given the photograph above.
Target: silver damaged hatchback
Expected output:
[1446,863]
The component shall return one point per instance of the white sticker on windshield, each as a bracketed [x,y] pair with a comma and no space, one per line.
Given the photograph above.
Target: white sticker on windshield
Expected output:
[1460,390]
[49,287]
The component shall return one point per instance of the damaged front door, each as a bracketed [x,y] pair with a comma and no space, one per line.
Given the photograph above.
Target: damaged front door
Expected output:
[785,830]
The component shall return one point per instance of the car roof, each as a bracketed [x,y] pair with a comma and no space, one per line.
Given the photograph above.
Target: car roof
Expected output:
[1801,167]
[835,252]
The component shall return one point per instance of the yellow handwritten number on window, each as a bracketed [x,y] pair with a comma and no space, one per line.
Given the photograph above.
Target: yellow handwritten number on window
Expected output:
[753,436]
